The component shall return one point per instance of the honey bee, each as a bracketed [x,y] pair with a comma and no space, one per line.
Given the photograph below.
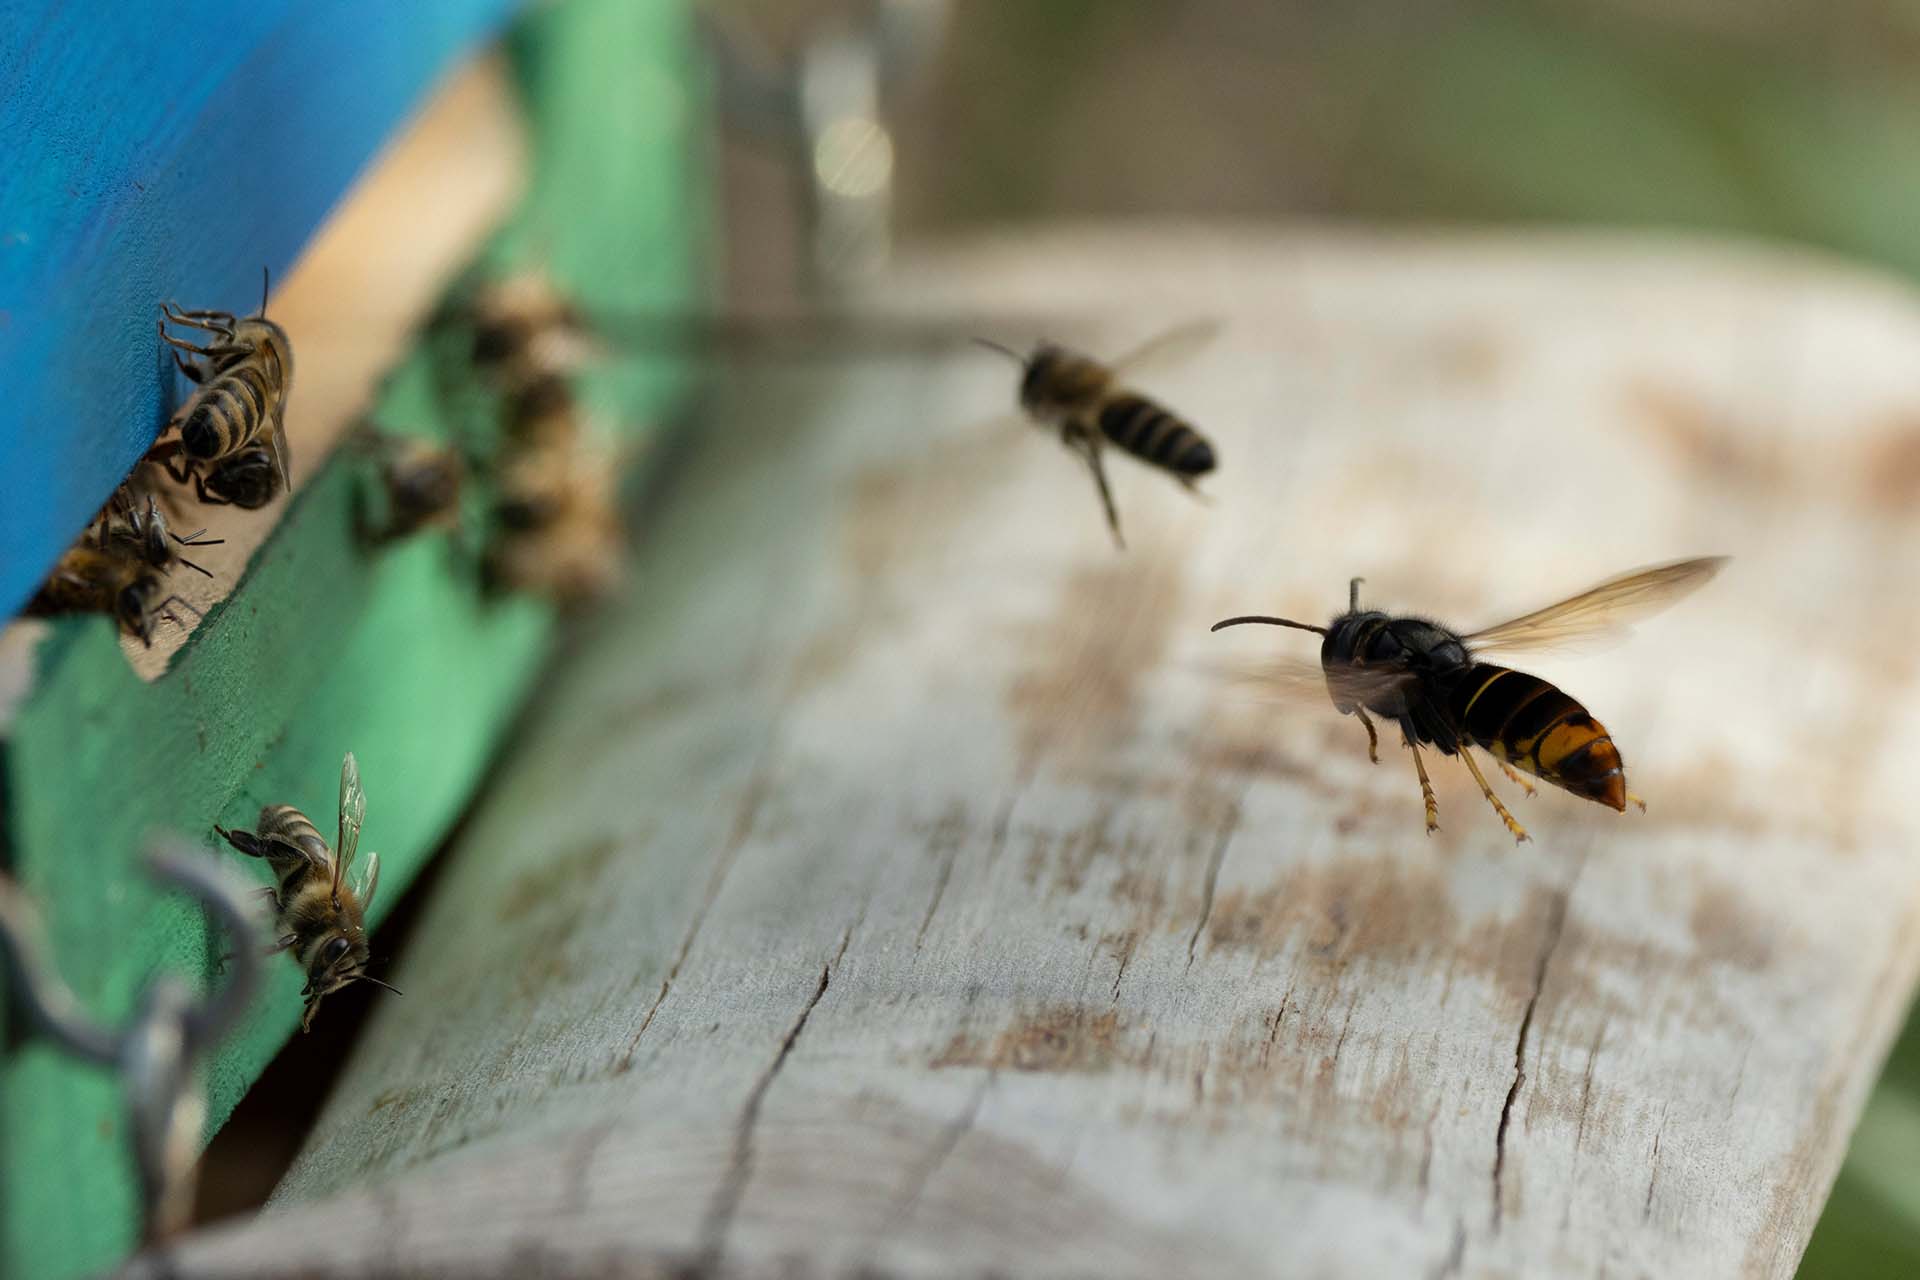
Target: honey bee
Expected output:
[524,328]
[1085,400]
[1431,681]
[322,919]
[559,524]
[232,440]
[142,531]
[111,580]
[422,482]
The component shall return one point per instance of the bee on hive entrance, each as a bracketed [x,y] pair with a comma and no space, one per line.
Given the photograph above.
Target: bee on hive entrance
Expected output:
[141,530]
[1431,682]
[233,436]
[1085,400]
[322,919]
[525,328]
[421,482]
[109,579]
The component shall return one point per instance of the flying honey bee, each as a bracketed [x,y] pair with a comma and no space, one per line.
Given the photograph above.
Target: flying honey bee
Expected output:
[1086,401]
[232,441]
[322,919]
[1431,681]
[112,580]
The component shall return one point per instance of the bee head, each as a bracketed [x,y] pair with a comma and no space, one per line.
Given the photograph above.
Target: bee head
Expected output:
[133,606]
[267,339]
[336,962]
[497,339]
[339,962]
[1038,383]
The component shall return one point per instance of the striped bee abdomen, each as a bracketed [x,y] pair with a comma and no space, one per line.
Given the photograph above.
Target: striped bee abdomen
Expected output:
[1152,434]
[284,822]
[228,412]
[1532,725]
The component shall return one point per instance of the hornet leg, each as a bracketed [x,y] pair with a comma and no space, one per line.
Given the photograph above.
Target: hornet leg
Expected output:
[1515,778]
[1426,788]
[1373,739]
[1519,832]
[1637,800]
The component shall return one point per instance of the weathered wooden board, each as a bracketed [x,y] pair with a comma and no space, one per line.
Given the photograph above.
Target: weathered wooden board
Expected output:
[891,883]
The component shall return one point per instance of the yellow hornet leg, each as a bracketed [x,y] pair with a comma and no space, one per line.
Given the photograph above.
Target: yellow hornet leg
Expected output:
[1515,778]
[1519,832]
[1373,739]
[1426,790]
[1637,800]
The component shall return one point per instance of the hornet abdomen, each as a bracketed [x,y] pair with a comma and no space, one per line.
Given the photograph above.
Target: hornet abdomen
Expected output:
[1152,434]
[1532,725]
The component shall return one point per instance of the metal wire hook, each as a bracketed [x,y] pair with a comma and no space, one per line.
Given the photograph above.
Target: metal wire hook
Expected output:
[156,1052]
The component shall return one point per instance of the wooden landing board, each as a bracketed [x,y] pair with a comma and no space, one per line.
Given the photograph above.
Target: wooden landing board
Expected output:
[892,883]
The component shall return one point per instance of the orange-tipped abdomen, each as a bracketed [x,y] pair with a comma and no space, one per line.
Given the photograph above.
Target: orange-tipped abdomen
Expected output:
[1535,727]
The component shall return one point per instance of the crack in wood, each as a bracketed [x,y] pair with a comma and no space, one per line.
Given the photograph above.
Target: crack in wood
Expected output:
[719,1217]
[1456,1253]
[1556,925]
[996,842]
[744,817]
[1646,1210]
[921,1176]
[1128,946]
[1586,1086]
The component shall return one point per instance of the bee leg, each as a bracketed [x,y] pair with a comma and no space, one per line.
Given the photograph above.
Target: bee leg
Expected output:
[193,371]
[245,841]
[1191,485]
[1515,778]
[1426,788]
[1094,463]
[1373,739]
[220,322]
[1519,832]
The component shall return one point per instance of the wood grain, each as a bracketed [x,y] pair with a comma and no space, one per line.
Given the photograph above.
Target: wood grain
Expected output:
[893,886]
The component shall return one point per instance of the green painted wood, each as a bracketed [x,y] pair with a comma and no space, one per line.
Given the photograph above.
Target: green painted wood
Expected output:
[322,647]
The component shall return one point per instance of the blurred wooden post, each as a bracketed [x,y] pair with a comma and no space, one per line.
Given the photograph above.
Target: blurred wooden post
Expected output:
[890,885]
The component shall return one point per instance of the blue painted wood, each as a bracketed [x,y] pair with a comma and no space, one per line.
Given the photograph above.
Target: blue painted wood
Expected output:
[152,150]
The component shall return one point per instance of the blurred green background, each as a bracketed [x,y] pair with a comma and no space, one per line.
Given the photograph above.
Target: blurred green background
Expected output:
[1796,122]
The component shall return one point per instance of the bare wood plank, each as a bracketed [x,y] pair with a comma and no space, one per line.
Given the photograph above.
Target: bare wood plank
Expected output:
[890,883]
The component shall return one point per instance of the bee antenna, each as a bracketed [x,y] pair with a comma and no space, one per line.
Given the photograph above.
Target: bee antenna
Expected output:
[1008,352]
[196,568]
[172,600]
[193,539]
[263,291]
[367,977]
[1272,622]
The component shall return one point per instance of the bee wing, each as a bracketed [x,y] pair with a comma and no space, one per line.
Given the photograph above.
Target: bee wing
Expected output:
[282,451]
[1170,346]
[1603,612]
[353,811]
[1303,681]
[370,882]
